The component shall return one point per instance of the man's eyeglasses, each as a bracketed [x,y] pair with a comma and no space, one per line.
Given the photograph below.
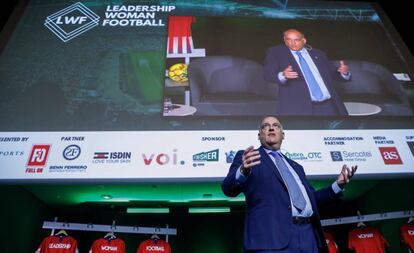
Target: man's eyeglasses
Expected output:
[267,126]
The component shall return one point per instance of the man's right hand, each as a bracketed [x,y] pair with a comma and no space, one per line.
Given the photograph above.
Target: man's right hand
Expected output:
[250,158]
[289,73]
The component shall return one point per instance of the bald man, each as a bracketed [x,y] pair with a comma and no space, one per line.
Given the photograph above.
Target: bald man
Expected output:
[282,213]
[305,77]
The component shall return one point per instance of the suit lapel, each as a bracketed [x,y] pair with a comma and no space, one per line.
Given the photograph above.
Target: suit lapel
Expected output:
[316,59]
[268,164]
[293,62]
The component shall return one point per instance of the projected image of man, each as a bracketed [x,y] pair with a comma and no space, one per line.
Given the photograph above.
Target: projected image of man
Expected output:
[305,77]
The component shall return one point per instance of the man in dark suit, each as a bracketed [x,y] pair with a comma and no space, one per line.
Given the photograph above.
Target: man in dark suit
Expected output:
[281,206]
[305,78]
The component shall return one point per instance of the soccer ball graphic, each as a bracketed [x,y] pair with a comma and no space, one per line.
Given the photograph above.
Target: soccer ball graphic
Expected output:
[178,72]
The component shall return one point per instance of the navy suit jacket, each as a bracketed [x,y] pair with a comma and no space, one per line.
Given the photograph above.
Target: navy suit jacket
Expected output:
[268,216]
[294,97]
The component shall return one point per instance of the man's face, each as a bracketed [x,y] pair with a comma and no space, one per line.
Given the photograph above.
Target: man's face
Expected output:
[271,133]
[294,40]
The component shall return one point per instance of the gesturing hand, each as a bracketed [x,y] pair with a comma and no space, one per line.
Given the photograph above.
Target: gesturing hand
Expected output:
[346,174]
[343,68]
[289,73]
[250,158]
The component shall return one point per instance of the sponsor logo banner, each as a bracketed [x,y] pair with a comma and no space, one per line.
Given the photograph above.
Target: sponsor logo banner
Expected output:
[163,155]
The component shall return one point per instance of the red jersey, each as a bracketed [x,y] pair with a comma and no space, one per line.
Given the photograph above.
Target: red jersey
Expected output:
[367,240]
[179,34]
[154,246]
[407,235]
[103,245]
[332,247]
[58,244]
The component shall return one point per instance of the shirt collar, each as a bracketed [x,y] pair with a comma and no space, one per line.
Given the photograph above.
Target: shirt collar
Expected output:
[269,150]
[302,51]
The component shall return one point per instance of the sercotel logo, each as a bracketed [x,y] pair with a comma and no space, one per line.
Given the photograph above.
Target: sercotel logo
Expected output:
[336,156]
[390,155]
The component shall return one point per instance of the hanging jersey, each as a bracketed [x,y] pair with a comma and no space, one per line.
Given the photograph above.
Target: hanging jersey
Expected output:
[179,34]
[58,244]
[407,235]
[103,245]
[154,246]
[332,247]
[367,240]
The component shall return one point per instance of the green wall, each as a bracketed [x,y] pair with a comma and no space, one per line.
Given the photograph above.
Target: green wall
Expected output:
[21,219]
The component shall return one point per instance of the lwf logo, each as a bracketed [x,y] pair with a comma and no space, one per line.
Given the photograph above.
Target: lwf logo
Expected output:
[71,21]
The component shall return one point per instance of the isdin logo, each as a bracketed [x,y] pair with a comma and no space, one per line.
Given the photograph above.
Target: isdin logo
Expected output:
[71,21]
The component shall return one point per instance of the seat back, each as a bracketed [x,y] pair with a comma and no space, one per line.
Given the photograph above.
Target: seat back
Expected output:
[226,85]
[226,74]
[370,82]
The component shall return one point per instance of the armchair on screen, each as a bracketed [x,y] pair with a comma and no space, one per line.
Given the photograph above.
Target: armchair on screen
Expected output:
[372,83]
[226,85]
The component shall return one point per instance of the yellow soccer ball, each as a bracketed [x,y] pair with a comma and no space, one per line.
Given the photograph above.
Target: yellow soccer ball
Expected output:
[178,72]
